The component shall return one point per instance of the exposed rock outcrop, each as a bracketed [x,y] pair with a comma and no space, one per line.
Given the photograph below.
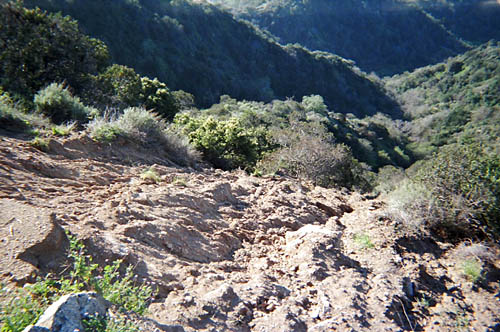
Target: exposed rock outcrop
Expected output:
[232,252]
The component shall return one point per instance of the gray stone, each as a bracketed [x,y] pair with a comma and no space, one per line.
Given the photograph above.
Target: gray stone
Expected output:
[67,313]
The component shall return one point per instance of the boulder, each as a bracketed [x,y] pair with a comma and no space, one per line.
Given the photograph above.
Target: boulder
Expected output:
[67,313]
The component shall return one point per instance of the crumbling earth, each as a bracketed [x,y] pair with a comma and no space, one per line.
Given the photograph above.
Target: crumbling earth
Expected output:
[233,252]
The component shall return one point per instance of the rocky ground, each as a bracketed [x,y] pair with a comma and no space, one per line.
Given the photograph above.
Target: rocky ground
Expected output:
[232,252]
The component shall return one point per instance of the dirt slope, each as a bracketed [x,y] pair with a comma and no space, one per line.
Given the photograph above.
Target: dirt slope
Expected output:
[231,252]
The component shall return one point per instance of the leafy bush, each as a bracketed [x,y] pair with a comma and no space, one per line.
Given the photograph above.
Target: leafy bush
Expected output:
[39,48]
[117,87]
[120,87]
[141,125]
[227,144]
[56,102]
[156,96]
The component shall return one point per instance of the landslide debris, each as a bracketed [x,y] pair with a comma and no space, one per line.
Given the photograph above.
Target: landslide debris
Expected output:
[233,252]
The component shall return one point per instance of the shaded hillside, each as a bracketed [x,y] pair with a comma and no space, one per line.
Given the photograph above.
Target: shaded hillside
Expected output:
[204,51]
[453,101]
[387,37]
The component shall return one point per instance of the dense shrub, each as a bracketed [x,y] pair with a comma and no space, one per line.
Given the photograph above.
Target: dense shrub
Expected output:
[117,87]
[57,102]
[156,96]
[120,87]
[14,119]
[37,48]
[226,144]
[464,182]
[307,151]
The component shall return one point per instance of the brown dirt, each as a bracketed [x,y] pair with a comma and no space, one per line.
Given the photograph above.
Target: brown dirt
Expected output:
[232,252]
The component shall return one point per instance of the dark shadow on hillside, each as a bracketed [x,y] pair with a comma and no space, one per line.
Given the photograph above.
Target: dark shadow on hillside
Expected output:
[419,246]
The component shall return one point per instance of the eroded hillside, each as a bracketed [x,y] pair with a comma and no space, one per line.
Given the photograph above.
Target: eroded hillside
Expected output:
[232,252]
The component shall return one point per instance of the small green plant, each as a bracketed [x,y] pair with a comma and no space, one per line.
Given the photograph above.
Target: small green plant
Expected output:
[423,302]
[150,174]
[472,269]
[64,129]
[363,241]
[179,181]
[22,307]
[107,324]
[40,143]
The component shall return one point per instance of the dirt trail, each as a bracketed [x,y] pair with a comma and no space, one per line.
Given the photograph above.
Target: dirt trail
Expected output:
[231,252]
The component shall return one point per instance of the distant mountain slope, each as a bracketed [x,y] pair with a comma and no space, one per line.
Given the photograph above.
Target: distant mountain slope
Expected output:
[205,51]
[458,100]
[385,36]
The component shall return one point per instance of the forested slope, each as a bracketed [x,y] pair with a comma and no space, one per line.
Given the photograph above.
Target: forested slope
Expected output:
[454,101]
[387,37]
[205,51]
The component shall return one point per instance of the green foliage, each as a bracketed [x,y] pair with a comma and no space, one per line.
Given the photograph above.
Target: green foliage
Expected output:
[472,269]
[14,119]
[453,101]
[37,49]
[157,97]
[307,151]
[340,27]
[363,241]
[63,130]
[40,143]
[314,103]
[19,308]
[150,174]
[117,87]
[227,144]
[106,324]
[210,54]
[121,87]
[22,307]
[56,102]
[465,182]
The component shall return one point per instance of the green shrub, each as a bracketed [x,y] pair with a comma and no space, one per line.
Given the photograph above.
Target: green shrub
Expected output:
[307,151]
[117,87]
[150,174]
[156,96]
[56,102]
[464,180]
[472,270]
[64,129]
[121,87]
[141,125]
[40,48]
[363,241]
[227,144]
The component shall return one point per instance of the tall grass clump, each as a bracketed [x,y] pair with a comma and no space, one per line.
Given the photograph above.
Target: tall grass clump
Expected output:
[57,102]
[12,118]
[145,128]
